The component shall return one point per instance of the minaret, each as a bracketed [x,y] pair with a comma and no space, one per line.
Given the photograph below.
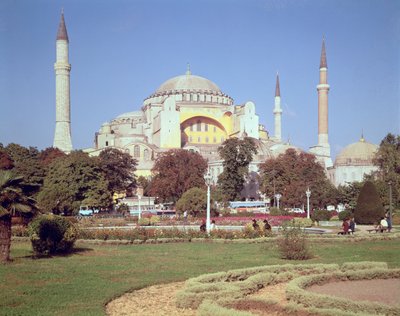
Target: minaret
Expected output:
[323,89]
[323,149]
[62,134]
[278,111]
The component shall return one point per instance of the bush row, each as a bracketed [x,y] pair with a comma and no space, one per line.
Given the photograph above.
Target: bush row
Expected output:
[296,291]
[238,283]
[209,293]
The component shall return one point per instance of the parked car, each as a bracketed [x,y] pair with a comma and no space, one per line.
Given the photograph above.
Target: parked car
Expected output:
[297,210]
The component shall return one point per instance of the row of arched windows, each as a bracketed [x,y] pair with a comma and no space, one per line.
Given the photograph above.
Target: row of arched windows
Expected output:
[136,152]
[198,127]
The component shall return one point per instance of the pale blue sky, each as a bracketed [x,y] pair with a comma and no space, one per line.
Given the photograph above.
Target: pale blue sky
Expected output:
[121,51]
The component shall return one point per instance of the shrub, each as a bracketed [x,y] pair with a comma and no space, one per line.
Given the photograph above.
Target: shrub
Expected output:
[52,234]
[369,208]
[276,211]
[293,244]
[345,215]
[321,215]
[300,222]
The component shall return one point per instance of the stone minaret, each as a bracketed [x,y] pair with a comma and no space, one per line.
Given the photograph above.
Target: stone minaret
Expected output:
[62,134]
[323,89]
[278,111]
[323,149]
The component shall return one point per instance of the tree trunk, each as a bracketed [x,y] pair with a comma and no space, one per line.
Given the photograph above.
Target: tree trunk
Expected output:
[5,238]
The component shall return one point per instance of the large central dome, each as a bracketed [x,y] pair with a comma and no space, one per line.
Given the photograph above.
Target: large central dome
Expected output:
[188,82]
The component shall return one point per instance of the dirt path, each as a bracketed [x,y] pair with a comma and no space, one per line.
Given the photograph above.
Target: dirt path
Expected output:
[384,291]
[157,300]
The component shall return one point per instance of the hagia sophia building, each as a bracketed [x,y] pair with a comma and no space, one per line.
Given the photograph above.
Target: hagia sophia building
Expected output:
[191,112]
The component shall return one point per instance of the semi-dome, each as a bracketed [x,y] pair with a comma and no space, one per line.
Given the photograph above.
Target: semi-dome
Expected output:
[359,153]
[188,82]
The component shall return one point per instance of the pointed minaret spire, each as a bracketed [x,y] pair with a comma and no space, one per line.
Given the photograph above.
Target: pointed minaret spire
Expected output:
[277,88]
[62,133]
[278,111]
[62,30]
[188,72]
[323,63]
[323,149]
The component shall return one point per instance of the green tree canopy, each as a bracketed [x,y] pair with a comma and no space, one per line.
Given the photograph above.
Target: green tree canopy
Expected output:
[387,159]
[290,174]
[369,208]
[175,172]
[119,169]
[237,154]
[27,164]
[74,180]
[194,201]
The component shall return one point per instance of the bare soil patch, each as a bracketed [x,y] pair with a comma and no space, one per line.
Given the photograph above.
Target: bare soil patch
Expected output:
[157,300]
[385,291]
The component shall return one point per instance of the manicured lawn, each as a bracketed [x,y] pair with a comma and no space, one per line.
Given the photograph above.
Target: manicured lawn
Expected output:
[80,284]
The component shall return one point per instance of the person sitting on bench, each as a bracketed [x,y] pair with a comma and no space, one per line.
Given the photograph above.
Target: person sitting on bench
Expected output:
[383,225]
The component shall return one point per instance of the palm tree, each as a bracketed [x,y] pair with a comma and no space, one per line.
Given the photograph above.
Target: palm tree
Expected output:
[12,202]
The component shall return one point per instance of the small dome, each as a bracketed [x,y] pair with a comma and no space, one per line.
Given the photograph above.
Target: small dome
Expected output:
[188,82]
[130,114]
[360,153]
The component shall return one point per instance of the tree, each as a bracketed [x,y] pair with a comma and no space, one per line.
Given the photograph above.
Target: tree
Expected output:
[27,164]
[369,208]
[387,159]
[175,172]
[290,174]
[13,201]
[48,155]
[6,162]
[74,180]
[119,169]
[348,194]
[194,201]
[237,154]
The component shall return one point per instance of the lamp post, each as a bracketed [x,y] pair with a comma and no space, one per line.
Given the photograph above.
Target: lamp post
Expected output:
[308,193]
[390,203]
[278,197]
[140,211]
[208,179]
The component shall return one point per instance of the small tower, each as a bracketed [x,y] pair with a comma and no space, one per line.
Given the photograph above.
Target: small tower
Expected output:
[62,134]
[323,89]
[278,111]
[323,149]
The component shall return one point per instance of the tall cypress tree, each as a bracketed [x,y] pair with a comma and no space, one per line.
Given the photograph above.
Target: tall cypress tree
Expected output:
[369,208]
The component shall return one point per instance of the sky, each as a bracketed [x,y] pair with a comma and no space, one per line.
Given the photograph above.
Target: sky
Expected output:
[121,51]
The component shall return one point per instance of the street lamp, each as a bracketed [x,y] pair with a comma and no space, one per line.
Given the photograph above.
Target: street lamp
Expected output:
[308,193]
[140,211]
[278,197]
[208,180]
[390,203]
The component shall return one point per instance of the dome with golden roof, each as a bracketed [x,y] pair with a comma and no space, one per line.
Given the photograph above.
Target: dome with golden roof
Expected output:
[359,153]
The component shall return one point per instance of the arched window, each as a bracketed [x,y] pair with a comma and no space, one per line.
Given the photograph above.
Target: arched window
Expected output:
[206,139]
[198,126]
[106,143]
[215,139]
[136,151]
[146,154]
[205,127]
[191,127]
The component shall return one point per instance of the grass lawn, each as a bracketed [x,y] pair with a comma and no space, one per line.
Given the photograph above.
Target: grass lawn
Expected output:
[80,284]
